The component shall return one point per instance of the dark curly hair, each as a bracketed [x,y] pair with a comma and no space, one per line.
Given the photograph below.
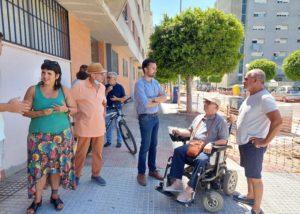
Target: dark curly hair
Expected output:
[53,66]
[82,73]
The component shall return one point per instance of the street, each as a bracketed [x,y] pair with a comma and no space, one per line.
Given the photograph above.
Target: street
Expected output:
[123,194]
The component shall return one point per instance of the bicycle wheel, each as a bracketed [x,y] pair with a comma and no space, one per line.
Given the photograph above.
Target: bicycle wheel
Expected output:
[127,137]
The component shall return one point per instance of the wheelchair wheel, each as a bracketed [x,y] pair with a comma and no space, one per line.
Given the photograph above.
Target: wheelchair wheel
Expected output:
[127,137]
[212,201]
[230,182]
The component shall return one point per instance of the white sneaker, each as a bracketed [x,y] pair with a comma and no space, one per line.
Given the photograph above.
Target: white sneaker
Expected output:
[253,212]
[173,188]
[185,197]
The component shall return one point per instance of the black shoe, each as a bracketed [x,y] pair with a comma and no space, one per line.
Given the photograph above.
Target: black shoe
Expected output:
[98,180]
[243,199]
[107,144]
[118,145]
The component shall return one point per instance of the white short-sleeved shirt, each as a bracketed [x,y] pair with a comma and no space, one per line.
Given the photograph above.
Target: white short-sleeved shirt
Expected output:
[2,136]
[252,120]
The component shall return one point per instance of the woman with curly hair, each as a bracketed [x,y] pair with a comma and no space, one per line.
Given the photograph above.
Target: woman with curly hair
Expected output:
[50,140]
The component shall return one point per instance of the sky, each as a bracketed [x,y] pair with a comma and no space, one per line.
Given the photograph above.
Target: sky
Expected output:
[172,7]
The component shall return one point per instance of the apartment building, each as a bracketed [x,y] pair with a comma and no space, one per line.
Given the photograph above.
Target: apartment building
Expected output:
[272,31]
[113,32]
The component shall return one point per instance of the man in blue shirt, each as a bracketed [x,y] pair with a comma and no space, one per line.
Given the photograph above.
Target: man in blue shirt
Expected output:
[115,95]
[148,95]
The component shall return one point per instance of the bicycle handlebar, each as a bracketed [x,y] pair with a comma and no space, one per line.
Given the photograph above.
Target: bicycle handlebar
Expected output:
[128,100]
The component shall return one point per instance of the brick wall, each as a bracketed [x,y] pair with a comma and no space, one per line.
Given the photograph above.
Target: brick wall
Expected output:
[80,44]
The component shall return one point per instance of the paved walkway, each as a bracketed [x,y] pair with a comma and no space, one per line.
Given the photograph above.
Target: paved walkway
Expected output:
[123,195]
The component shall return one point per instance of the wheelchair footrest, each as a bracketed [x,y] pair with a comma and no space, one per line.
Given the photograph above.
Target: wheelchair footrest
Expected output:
[160,189]
[187,204]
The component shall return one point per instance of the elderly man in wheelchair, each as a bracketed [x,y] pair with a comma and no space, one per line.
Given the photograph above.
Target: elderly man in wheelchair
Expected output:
[211,131]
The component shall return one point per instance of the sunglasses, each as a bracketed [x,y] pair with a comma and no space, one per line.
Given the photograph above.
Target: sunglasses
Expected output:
[50,62]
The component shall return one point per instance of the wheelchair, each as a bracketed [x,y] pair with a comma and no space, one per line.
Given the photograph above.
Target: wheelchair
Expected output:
[213,180]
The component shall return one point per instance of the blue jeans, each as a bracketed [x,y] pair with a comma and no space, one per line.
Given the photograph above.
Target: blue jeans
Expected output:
[109,130]
[179,160]
[149,128]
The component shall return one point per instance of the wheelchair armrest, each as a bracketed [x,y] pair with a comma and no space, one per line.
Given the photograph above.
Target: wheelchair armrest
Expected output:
[179,138]
[218,148]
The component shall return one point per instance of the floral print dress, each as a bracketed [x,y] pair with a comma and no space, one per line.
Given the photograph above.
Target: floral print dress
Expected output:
[50,152]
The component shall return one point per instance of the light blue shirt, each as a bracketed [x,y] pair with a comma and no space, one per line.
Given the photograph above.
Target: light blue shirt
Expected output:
[144,90]
[2,136]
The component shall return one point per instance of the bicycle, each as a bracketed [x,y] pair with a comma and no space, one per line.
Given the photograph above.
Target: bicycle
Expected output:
[125,131]
[121,123]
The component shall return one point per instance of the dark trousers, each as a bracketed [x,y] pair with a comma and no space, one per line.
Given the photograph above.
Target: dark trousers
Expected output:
[179,160]
[149,125]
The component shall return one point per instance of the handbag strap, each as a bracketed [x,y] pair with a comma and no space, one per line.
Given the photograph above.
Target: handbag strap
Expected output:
[208,130]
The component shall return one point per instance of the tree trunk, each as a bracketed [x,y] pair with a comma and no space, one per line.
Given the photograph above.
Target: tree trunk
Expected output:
[189,80]
[171,91]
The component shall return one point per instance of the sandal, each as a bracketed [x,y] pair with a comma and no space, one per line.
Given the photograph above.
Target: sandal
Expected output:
[34,206]
[57,202]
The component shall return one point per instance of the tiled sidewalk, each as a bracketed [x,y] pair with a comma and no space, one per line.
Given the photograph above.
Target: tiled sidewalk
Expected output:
[123,195]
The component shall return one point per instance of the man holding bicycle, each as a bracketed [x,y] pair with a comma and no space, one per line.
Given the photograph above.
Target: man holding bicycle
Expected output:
[115,95]
[148,95]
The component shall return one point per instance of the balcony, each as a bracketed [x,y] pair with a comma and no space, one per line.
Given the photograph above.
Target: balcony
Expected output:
[100,16]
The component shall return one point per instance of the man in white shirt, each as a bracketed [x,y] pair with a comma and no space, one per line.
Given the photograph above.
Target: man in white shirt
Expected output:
[15,106]
[258,123]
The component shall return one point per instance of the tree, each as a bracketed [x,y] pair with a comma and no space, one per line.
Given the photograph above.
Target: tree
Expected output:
[215,79]
[197,43]
[291,66]
[269,67]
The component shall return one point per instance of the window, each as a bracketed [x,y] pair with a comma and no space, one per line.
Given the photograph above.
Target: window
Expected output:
[258,27]
[133,29]
[258,41]
[298,40]
[139,10]
[125,68]
[259,14]
[257,54]
[94,50]
[283,1]
[38,25]
[133,73]
[281,40]
[279,54]
[260,1]
[115,62]
[282,14]
[125,13]
[281,27]
[139,42]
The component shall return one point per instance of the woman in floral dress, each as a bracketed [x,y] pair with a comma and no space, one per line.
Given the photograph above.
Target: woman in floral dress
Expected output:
[50,140]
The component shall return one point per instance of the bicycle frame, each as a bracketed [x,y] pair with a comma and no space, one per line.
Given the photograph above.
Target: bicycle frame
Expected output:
[116,114]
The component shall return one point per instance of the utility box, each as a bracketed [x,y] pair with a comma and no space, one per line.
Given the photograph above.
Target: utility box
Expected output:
[175,94]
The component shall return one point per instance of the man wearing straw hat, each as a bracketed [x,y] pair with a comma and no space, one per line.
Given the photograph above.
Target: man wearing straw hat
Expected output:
[89,121]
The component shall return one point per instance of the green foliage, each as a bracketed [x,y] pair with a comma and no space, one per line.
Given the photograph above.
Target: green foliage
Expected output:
[204,79]
[291,66]
[215,78]
[197,43]
[269,67]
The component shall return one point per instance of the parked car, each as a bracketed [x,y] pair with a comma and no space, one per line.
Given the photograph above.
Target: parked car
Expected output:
[287,93]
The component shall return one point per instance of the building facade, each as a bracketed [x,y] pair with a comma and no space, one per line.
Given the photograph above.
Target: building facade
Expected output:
[113,32]
[272,31]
